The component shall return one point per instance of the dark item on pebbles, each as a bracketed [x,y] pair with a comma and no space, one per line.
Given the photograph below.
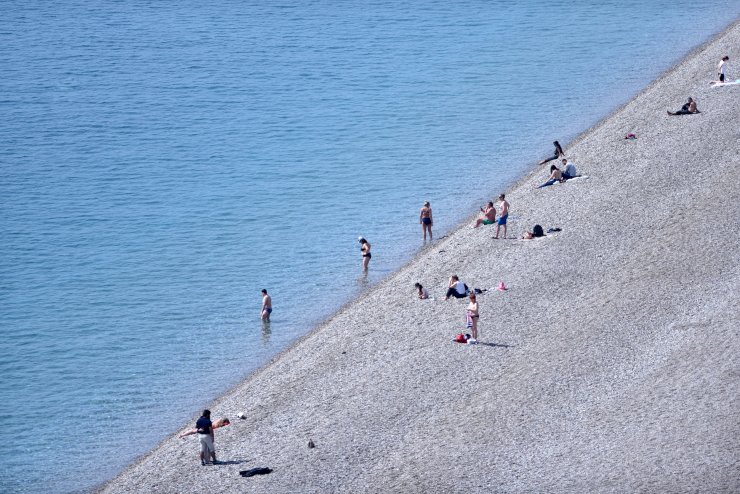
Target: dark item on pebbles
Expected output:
[255,471]
[311,445]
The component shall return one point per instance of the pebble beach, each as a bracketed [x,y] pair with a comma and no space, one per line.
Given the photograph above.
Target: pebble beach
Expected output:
[611,363]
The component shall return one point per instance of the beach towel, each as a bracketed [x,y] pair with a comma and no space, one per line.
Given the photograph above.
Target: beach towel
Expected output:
[719,84]
[468,320]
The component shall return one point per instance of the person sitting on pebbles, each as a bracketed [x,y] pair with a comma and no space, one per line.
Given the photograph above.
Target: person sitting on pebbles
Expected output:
[421,292]
[456,288]
[688,108]
[489,215]
[555,176]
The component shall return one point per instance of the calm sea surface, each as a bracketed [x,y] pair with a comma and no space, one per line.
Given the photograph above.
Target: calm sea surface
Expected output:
[161,162]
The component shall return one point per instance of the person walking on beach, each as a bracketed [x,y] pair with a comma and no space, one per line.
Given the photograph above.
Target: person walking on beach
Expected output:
[456,288]
[426,220]
[204,427]
[503,215]
[558,153]
[688,108]
[266,306]
[472,316]
[365,250]
[489,215]
[721,68]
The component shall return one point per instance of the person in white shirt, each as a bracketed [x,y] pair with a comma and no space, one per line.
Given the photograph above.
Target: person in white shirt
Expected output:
[721,68]
[456,288]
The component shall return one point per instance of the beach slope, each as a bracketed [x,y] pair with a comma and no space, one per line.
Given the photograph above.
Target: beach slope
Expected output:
[612,363]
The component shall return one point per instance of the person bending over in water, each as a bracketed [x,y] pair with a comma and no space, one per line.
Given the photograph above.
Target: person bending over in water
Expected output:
[456,288]
[558,153]
[425,218]
[489,215]
[421,292]
[555,176]
[366,256]
[688,108]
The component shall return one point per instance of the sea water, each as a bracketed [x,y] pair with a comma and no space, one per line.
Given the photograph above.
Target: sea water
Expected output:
[161,162]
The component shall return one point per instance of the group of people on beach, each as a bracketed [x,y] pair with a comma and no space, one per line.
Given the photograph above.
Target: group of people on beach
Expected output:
[456,288]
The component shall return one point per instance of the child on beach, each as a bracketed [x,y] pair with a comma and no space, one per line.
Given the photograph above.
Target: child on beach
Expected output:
[489,215]
[472,316]
[503,215]
[219,423]
[421,292]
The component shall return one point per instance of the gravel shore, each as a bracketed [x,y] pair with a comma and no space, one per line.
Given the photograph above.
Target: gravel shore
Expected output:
[612,363]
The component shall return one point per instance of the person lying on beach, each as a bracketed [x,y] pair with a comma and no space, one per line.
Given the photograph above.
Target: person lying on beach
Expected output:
[421,292]
[535,233]
[219,423]
[558,153]
[456,288]
[555,176]
[569,170]
[489,215]
[688,108]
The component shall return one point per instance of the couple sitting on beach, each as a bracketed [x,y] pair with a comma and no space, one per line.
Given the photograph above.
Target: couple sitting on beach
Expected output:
[687,109]
[557,175]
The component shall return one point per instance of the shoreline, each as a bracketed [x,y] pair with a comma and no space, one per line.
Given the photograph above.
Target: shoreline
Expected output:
[178,456]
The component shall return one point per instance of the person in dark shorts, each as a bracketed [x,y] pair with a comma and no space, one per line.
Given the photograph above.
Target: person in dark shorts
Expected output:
[266,306]
[426,220]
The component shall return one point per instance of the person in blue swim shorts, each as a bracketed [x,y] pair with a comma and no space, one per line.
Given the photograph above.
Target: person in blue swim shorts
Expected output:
[503,215]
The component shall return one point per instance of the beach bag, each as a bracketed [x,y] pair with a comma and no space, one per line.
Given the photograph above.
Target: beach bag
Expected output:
[537,231]
[460,338]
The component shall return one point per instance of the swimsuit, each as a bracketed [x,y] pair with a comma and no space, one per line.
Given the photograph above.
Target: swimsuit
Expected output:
[502,220]
[488,222]
[367,254]
[269,310]
[426,221]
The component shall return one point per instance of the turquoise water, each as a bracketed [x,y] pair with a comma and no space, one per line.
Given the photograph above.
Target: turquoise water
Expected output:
[163,161]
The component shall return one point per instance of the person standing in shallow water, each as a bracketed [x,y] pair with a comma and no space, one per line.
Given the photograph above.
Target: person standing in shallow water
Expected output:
[426,220]
[266,306]
[365,250]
